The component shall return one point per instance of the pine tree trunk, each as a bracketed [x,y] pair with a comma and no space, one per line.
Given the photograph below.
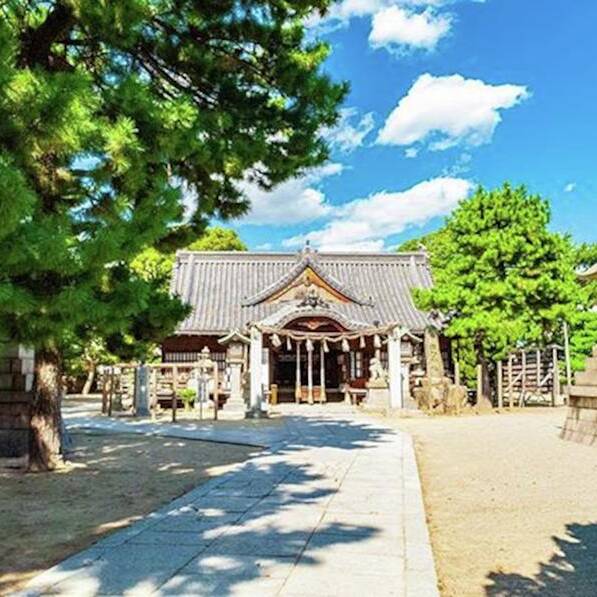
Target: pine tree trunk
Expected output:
[46,420]
[484,395]
[89,380]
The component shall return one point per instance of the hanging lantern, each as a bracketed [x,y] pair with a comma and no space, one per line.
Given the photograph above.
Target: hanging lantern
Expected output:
[345,345]
[288,345]
[362,342]
[309,345]
[276,341]
[324,344]
[376,341]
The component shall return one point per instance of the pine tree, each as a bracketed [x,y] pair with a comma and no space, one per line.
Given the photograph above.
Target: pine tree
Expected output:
[110,113]
[501,277]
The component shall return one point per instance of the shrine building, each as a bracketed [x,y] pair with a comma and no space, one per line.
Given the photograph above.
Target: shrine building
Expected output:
[307,326]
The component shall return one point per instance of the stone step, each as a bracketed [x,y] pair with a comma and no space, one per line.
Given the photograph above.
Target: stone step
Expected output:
[591,364]
[586,378]
[588,391]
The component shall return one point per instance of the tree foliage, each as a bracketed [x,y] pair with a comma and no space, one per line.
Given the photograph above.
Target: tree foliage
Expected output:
[153,264]
[502,278]
[217,238]
[107,111]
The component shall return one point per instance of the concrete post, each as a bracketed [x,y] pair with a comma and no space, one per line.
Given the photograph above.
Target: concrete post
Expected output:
[395,368]
[256,356]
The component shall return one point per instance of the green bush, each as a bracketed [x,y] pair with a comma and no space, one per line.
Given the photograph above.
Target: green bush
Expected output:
[188,396]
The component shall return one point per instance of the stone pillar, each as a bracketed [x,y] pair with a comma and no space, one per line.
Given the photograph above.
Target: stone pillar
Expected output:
[255,367]
[310,375]
[17,368]
[235,404]
[323,397]
[395,368]
[142,391]
[297,388]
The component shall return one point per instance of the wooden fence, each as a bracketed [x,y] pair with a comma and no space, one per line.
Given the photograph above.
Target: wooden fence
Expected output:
[529,376]
[164,385]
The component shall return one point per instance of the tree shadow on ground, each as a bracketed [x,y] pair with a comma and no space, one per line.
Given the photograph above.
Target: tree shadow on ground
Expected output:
[570,572]
[246,529]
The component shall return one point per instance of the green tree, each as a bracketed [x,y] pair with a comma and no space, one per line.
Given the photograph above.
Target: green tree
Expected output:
[108,110]
[217,238]
[502,279]
[583,321]
[153,264]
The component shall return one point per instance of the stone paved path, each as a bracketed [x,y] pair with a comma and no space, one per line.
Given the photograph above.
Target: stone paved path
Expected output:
[333,507]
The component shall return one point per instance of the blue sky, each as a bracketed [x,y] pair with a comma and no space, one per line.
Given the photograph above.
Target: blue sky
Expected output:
[445,95]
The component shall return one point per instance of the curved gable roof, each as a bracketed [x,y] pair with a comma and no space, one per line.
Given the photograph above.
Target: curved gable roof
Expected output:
[308,261]
[228,290]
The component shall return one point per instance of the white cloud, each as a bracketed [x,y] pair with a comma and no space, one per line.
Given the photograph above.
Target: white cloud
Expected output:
[570,187]
[399,27]
[411,152]
[347,135]
[342,12]
[396,24]
[449,111]
[292,202]
[364,224]
[264,247]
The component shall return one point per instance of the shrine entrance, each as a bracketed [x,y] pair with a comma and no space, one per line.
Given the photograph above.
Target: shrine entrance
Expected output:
[316,359]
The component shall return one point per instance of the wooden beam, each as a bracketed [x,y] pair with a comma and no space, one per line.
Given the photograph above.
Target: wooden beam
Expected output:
[500,387]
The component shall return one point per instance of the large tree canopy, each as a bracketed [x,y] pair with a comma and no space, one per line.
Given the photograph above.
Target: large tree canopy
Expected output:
[502,278]
[108,112]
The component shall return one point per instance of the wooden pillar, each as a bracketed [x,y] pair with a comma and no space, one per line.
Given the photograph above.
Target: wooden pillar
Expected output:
[510,383]
[216,389]
[298,386]
[105,387]
[323,397]
[567,358]
[310,374]
[556,400]
[500,386]
[538,364]
[523,381]
[112,390]
[174,392]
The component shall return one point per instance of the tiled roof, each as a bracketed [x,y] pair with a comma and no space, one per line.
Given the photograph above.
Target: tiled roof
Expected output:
[224,287]
[589,274]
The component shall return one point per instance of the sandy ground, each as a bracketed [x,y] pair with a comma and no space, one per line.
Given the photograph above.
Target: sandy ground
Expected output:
[113,480]
[512,509]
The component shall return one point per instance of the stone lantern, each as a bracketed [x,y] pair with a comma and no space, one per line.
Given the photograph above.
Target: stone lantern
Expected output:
[234,342]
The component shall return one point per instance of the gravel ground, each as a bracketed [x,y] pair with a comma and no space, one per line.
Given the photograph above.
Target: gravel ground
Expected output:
[109,482]
[512,508]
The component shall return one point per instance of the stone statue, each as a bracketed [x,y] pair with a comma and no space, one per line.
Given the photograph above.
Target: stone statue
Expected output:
[378,376]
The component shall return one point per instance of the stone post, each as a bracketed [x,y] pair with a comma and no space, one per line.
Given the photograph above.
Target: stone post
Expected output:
[235,405]
[255,366]
[395,368]
[142,391]
[17,368]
